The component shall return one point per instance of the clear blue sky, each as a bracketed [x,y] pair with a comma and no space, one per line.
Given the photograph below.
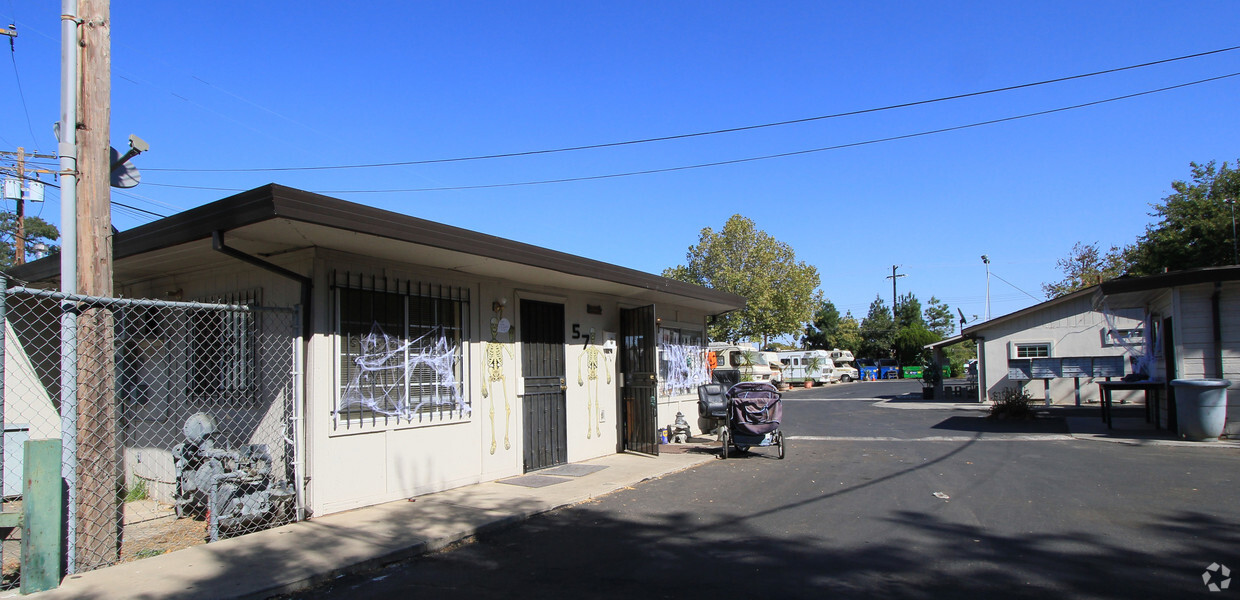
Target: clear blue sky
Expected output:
[243,85]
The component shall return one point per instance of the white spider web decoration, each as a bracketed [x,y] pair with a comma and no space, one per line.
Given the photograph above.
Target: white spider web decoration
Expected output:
[400,379]
[1140,353]
[685,367]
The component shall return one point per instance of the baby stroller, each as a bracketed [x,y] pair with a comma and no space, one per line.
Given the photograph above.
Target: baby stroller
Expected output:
[754,411]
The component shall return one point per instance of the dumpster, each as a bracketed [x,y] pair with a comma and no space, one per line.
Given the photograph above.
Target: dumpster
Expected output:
[1201,407]
[913,372]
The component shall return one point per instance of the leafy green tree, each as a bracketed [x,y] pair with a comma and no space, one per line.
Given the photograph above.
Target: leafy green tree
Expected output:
[1086,266]
[958,354]
[908,313]
[779,291]
[848,334]
[820,333]
[939,318]
[878,331]
[910,344]
[37,230]
[1194,224]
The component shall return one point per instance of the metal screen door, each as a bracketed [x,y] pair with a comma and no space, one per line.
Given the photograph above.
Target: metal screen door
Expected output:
[639,396]
[542,365]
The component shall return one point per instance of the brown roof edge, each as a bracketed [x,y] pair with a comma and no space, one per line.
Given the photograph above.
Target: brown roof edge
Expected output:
[273,201]
[1125,285]
[973,330]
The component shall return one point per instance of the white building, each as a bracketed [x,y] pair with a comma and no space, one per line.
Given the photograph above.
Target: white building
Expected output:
[535,357]
[1055,350]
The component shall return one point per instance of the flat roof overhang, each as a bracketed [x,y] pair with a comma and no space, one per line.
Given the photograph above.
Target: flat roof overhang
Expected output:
[275,219]
[1137,292]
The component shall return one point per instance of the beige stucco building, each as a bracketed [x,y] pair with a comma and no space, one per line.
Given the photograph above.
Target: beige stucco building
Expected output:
[426,356]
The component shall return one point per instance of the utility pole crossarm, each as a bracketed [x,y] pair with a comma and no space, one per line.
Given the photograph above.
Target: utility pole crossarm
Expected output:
[894,298]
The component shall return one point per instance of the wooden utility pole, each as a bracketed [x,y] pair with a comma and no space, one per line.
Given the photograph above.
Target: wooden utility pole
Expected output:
[894,298]
[19,252]
[98,507]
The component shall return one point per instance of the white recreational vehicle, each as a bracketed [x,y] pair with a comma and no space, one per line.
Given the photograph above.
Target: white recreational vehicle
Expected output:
[749,363]
[813,365]
[844,368]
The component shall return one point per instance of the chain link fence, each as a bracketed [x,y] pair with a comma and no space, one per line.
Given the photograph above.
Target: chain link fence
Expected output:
[178,419]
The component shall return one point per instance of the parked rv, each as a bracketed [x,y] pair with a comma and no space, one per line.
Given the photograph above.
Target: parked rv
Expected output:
[844,370]
[736,363]
[777,368]
[798,367]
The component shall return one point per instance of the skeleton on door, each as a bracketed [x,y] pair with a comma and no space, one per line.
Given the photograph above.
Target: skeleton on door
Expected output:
[591,355]
[493,370]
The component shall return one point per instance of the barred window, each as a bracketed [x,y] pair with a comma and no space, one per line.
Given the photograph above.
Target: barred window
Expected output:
[682,361]
[222,358]
[403,351]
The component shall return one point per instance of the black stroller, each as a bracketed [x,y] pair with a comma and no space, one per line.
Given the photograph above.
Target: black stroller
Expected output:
[751,412]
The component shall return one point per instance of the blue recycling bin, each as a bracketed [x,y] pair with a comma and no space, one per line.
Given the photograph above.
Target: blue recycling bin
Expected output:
[1201,408]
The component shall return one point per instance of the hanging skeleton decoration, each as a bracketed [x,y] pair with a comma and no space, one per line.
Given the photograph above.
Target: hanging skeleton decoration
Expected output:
[494,370]
[593,408]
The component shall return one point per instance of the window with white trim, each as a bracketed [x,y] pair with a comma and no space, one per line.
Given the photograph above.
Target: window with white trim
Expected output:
[403,352]
[1031,350]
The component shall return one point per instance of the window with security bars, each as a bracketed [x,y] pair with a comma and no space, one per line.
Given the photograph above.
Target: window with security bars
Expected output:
[223,362]
[403,351]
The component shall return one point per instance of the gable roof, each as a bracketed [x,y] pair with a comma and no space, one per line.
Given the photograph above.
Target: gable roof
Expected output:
[975,330]
[273,218]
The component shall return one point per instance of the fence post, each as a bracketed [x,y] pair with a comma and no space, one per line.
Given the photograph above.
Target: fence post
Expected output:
[41,513]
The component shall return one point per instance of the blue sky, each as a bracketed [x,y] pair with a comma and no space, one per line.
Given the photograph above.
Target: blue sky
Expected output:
[243,85]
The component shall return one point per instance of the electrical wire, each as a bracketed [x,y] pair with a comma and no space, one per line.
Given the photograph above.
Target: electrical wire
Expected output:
[1035,298]
[741,160]
[711,132]
[20,93]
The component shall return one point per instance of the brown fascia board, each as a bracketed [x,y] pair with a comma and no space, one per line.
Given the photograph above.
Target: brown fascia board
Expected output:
[1124,285]
[274,201]
[974,331]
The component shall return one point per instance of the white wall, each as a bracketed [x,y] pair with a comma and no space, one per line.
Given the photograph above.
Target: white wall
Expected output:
[1194,338]
[1073,328]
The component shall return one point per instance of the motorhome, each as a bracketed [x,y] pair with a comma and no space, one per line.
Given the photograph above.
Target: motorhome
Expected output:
[746,364]
[799,366]
[777,368]
[844,369]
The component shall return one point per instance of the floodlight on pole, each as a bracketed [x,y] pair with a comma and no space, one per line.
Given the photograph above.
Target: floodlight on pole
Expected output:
[986,260]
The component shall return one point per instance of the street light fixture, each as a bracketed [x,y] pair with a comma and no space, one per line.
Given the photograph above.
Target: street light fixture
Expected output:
[986,260]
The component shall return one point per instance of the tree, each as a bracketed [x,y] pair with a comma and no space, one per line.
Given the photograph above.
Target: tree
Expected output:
[37,230]
[1086,266]
[877,331]
[779,290]
[848,334]
[820,333]
[908,313]
[939,318]
[1194,227]
[910,344]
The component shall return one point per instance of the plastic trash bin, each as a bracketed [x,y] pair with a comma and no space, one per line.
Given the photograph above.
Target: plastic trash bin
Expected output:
[1201,407]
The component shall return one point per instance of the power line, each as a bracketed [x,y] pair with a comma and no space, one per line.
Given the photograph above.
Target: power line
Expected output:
[706,133]
[1035,298]
[738,160]
[12,33]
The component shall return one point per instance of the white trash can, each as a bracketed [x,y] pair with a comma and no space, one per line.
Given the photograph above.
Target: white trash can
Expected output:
[1201,408]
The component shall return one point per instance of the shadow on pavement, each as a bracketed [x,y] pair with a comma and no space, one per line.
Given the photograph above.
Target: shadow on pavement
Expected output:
[981,423]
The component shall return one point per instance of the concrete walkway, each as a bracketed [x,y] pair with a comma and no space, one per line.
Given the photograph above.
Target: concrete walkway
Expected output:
[300,555]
